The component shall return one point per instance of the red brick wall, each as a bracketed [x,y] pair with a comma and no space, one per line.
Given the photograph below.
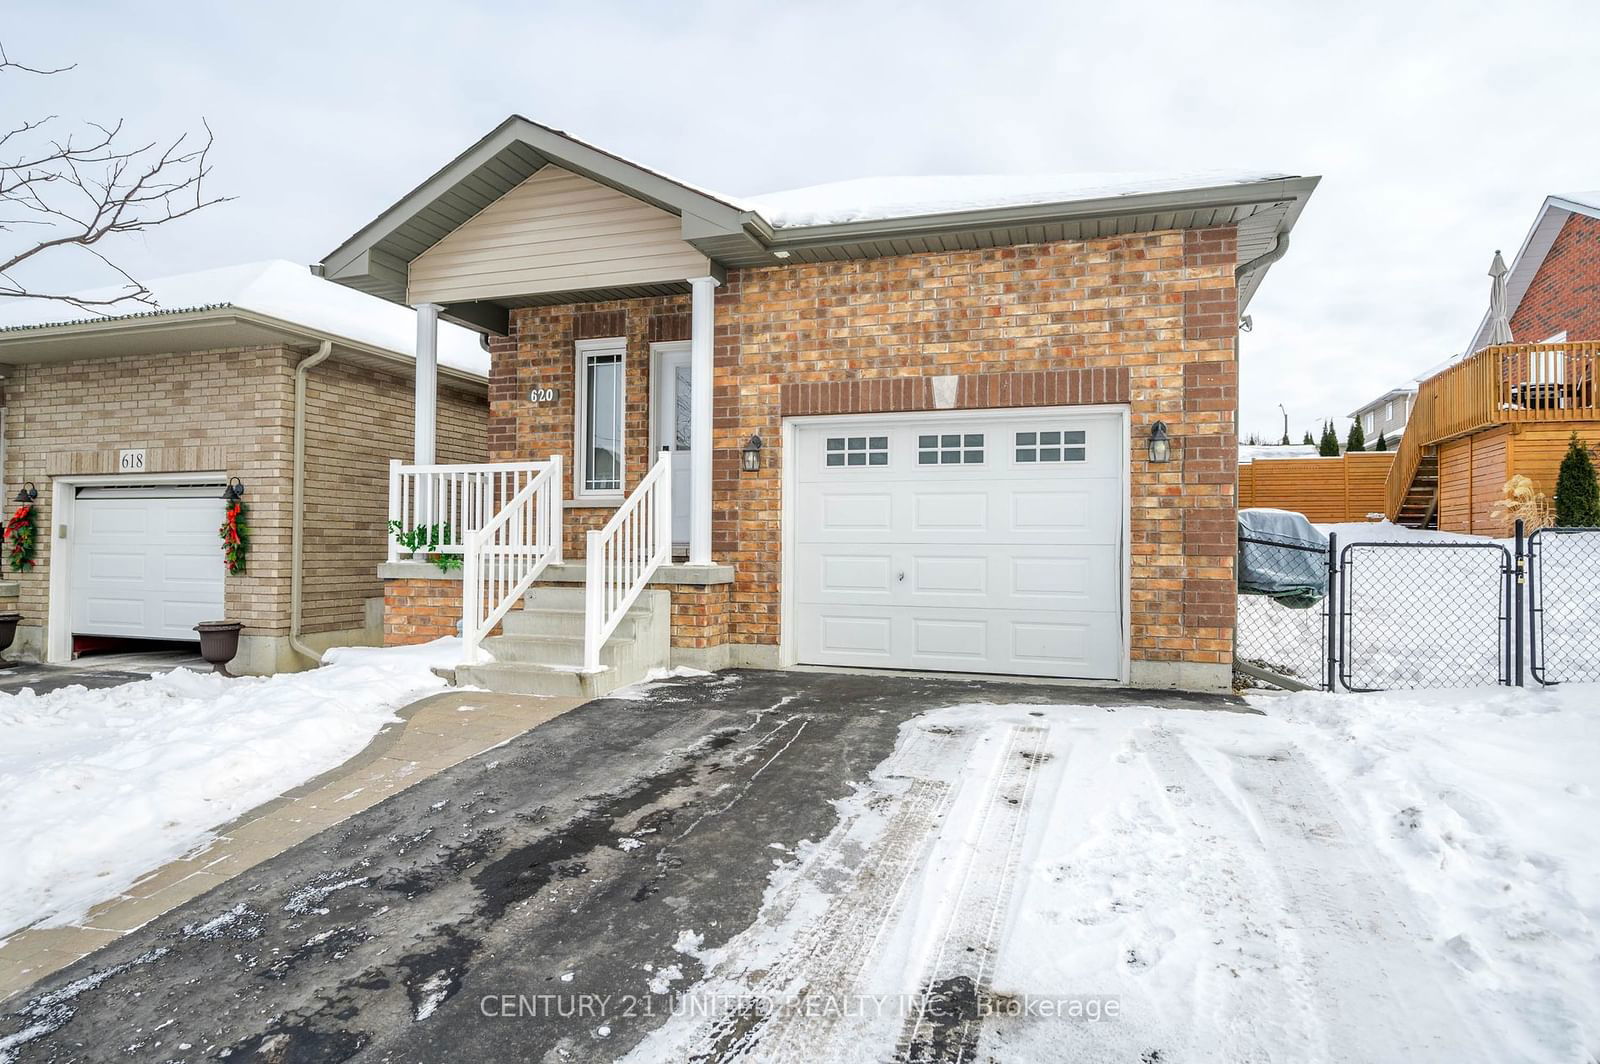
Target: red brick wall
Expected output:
[1565,292]
[1147,320]
[419,611]
[541,353]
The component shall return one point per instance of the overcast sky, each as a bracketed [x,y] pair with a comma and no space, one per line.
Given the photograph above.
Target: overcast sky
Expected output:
[1438,128]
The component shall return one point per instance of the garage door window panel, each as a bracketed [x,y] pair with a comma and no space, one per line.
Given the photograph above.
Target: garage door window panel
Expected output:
[848,451]
[950,448]
[1069,445]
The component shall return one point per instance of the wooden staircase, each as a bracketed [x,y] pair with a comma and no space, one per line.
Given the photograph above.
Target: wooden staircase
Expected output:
[1421,506]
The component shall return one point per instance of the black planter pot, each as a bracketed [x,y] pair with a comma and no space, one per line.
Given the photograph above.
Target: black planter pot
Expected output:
[219,643]
[8,630]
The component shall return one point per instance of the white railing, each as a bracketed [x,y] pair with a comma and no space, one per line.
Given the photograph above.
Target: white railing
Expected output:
[458,499]
[621,557]
[504,557]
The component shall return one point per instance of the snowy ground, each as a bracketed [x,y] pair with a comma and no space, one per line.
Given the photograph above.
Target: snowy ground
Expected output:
[1349,878]
[98,787]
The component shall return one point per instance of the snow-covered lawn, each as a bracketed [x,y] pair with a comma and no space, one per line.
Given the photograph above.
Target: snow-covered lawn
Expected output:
[99,787]
[1357,878]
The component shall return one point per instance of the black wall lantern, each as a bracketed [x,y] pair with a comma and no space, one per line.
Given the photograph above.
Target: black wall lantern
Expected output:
[751,454]
[1160,443]
[28,493]
[234,490]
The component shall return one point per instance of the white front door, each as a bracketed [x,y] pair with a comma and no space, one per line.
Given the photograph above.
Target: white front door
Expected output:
[984,541]
[146,563]
[670,402]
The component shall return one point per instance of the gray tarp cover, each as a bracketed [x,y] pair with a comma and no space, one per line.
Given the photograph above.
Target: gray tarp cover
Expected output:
[1295,577]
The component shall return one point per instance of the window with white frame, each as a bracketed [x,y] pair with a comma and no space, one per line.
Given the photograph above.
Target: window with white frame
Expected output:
[950,448]
[1070,445]
[600,404]
[1369,421]
[857,451]
[1388,411]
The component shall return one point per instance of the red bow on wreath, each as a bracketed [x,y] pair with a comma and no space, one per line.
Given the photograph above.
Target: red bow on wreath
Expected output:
[20,538]
[235,537]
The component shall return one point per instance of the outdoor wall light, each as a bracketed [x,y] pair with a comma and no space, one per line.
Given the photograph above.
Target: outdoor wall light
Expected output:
[234,490]
[28,493]
[752,453]
[1160,443]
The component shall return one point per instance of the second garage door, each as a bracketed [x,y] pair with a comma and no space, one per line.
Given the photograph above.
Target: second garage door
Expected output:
[146,562]
[973,542]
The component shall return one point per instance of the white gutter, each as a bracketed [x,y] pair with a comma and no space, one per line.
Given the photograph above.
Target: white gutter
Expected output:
[297,548]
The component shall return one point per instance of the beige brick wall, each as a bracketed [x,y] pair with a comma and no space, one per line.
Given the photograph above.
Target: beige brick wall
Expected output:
[357,420]
[1147,321]
[214,411]
[232,412]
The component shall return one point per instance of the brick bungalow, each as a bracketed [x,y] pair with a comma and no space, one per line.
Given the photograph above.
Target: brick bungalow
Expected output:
[129,426]
[982,425]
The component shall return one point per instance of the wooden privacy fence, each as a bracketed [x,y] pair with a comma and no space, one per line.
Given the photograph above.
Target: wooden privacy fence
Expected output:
[1347,488]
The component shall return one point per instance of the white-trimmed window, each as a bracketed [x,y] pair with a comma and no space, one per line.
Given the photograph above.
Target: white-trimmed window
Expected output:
[1388,412]
[1369,421]
[601,413]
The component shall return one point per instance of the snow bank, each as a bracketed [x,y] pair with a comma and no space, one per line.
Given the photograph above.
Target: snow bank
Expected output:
[99,787]
[280,289]
[876,198]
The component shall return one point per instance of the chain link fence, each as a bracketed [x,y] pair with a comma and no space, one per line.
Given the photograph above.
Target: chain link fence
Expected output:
[1413,614]
[1564,605]
[1424,614]
[1278,643]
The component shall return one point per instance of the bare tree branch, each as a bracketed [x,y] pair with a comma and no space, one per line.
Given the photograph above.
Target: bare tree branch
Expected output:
[73,192]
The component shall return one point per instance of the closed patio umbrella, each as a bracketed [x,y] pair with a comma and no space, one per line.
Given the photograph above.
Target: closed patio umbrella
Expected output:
[1499,323]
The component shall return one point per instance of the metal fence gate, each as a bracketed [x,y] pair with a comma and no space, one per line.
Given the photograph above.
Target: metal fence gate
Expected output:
[1425,614]
[1564,605]
[1415,614]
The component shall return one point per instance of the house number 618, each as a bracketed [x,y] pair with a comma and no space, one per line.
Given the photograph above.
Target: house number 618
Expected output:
[543,395]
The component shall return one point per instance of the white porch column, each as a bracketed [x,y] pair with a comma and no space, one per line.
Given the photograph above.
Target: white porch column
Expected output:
[701,324]
[425,407]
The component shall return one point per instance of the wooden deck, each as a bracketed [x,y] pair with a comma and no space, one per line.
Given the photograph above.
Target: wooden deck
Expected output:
[1505,410]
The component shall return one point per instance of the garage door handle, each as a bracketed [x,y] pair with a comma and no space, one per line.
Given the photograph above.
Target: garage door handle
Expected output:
[902,575]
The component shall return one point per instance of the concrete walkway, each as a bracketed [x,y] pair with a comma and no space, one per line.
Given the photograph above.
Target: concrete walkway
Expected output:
[435,734]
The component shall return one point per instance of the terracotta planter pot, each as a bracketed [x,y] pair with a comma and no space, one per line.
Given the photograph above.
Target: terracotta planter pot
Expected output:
[219,643]
[8,629]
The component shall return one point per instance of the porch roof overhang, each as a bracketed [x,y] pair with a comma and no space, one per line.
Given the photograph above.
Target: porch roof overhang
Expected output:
[184,331]
[732,234]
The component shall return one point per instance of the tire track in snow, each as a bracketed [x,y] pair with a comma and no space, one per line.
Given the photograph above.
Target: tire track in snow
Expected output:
[945,1027]
[861,870]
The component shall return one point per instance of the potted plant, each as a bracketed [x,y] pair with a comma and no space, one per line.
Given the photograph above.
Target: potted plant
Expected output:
[423,539]
[8,631]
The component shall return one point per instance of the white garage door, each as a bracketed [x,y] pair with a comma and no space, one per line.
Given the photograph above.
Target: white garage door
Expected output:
[974,542]
[146,562]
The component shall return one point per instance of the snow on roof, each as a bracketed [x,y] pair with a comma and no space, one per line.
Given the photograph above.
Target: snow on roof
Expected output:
[276,288]
[878,198]
[1591,200]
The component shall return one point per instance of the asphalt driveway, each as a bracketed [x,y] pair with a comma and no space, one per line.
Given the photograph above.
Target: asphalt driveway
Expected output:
[555,872]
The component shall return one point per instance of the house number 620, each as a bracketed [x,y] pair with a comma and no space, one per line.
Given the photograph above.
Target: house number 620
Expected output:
[543,395]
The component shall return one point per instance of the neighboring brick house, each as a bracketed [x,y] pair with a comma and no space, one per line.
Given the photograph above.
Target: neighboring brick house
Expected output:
[1553,288]
[972,425]
[195,392]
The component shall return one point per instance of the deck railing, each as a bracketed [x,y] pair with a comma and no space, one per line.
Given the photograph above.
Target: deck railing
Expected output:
[622,556]
[1501,385]
[501,560]
[446,502]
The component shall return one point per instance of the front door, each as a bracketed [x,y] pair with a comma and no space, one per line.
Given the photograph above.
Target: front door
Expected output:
[670,405]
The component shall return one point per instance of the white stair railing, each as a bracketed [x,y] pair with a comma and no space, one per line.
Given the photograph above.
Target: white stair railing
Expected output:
[501,560]
[455,498]
[621,557]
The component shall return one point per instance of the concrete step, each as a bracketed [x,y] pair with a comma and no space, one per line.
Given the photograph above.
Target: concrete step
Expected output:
[557,621]
[523,678]
[556,649]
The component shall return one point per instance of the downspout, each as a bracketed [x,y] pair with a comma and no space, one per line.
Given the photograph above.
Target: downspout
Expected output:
[297,516]
[1260,262]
